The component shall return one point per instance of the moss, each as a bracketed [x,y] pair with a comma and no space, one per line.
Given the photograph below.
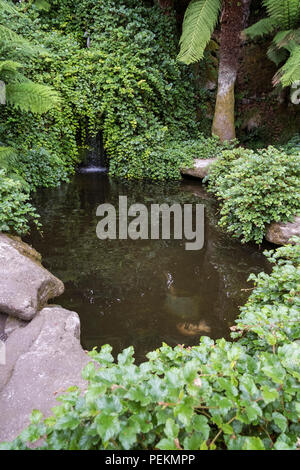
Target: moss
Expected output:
[224,125]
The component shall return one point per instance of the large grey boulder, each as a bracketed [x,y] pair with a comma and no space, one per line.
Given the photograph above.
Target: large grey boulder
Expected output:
[43,359]
[26,286]
[200,168]
[280,233]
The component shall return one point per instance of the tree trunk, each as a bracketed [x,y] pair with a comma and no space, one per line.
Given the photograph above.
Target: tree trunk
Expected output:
[234,18]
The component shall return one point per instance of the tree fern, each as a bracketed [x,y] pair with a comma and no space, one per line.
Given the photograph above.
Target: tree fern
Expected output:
[290,71]
[8,157]
[42,5]
[287,39]
[199,23]
[277,55]
[261,28]
[9,66]
[285,12]
[282,14]
[284,20]
[33,97]
[7,6]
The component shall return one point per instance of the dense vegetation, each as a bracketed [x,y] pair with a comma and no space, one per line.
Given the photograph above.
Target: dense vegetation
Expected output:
[256,188]
[218,395]
[126,83]
[69,70]
[111,66]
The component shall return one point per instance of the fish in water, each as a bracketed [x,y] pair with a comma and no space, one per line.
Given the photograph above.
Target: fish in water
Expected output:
[193,329]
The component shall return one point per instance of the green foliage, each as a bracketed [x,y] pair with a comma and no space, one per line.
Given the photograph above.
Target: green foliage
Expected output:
[200,147]
[255,189]
[16,90]
[283,20]
[126,83]
[218,395]
[7,6]
[271,315]
[199,22]
[33,97]
[292,147]
[16,212]
[41,169]
[290,71]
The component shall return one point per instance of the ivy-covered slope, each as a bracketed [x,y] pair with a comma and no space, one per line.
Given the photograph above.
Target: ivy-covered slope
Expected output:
[114,64]
[234,395]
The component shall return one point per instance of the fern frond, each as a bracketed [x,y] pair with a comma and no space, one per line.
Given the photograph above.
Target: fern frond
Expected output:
[7,6]
[6,34]
[199,22]
[285,12]
[42,5]
[277,55]
[9,66]
[290,72]
[261,28]
[8,157]
[32,97]
[285,38]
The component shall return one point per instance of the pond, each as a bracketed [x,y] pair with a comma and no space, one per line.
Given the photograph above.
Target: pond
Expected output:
[141,292]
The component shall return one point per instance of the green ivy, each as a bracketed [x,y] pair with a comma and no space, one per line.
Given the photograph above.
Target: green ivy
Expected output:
[241,395]
[126,84]
[16,212]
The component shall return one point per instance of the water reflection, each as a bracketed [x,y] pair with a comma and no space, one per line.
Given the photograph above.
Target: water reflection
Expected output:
[141,292]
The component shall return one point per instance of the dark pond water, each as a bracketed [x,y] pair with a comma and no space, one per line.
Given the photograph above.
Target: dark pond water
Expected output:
[141,292]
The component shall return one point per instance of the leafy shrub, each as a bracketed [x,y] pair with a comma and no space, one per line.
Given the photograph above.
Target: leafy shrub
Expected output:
[293,146]
[218,395]
[255,189]
[272,311]
[15,209]
[41,169]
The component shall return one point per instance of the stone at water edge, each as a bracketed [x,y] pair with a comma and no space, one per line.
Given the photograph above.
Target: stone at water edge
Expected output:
[200,168]
[280,233]
[43,360]
[26,286]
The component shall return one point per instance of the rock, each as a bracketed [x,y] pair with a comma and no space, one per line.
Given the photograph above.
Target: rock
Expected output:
[43,360]
[26,286]
[200,169]
[280,233]
[12,324]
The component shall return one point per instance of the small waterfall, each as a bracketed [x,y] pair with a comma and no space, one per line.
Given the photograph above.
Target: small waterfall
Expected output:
[94,159]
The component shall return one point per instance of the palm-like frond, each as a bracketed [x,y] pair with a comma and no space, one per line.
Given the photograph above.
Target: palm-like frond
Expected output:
[277,55]
[290,71]
[7,34]
[8,157]
[285,12]
[9,66]
[282,14]
[286,38]
[7,6]
[199,22]
[261,28]
[42,5]
[33,97]
[11,41]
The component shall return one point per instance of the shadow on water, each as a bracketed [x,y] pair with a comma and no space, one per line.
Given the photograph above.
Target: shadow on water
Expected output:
[141,292]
